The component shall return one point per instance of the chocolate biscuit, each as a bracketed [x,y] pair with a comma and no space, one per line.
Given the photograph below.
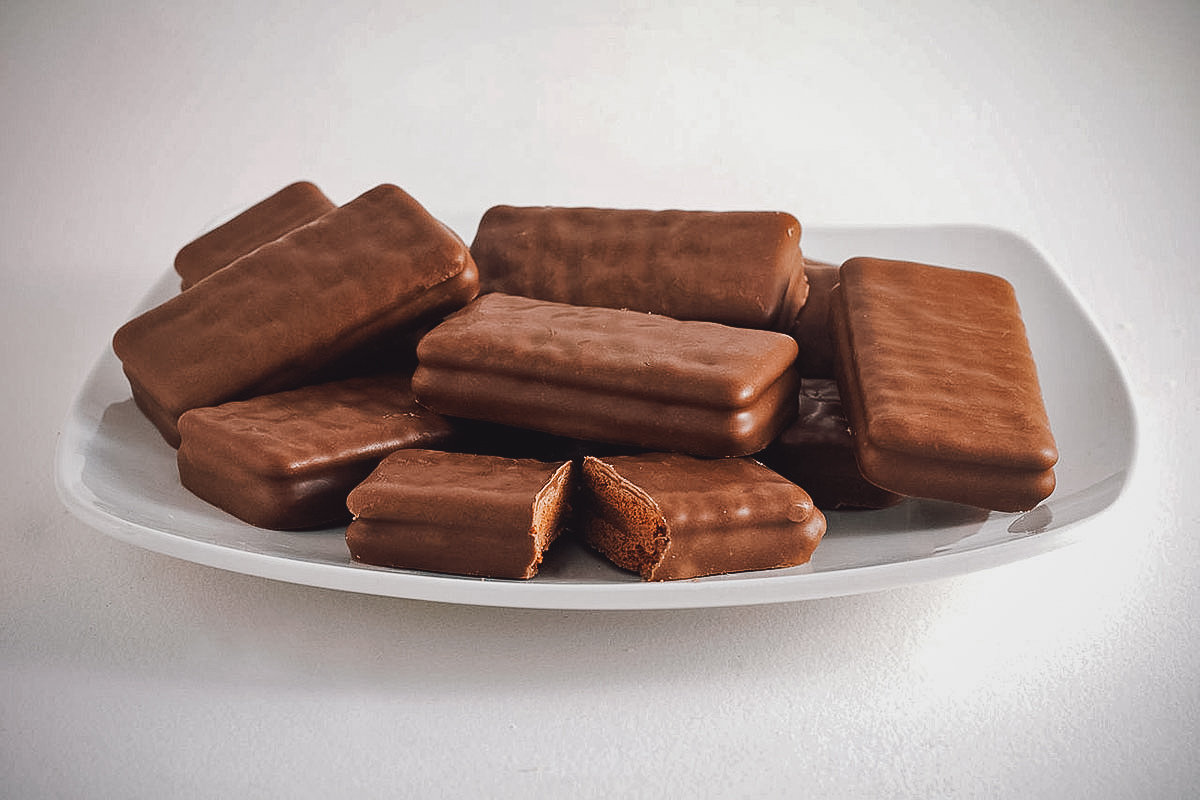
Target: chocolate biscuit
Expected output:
[669,516]
[608,375]
[287,461]
[939,385]
[486,516]
[741,268]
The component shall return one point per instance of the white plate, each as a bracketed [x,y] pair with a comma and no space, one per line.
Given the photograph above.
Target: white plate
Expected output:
[115,473]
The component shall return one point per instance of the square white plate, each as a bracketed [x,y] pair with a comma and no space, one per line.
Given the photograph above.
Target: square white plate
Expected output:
[115,472]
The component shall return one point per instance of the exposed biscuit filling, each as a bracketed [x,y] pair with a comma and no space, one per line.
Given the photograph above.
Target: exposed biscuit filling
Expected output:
[551,509]
[625,524]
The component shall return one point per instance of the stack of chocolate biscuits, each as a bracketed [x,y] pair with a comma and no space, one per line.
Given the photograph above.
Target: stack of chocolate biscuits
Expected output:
[678,388]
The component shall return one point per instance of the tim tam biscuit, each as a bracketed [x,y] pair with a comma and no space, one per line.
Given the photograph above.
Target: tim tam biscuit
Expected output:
[608,375]
[740,268]
[459,513]
[669,516]
[288,460]
[939,385]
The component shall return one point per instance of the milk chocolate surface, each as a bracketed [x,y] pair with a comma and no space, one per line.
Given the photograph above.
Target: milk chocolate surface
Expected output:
[608,375]
[486,516]
[811,328]
[737,268]
[939,385]
[289,208]
[278,316]
[816,451]
[489,438]
[669,516]
[287,461]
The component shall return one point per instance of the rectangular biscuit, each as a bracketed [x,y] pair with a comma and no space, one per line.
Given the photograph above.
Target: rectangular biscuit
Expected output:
[608,375]
[288,460]
[741,268]
[669,516]
[276,317]
[457,513]
[939,385]
[265,221]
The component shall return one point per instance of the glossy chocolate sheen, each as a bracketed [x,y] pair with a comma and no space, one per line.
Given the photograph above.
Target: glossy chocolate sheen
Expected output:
[741,268]
[292,206]
[490,438]
[275,318]
[669,516]
[939,385]
[811,329]
[486,516]
[287,461]
[607,375]
[817,452]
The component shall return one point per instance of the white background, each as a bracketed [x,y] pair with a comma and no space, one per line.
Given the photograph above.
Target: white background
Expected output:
[129,127]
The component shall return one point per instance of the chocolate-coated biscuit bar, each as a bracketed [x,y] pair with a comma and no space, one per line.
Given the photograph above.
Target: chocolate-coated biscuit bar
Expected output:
[741,268]
[939,385]
[608,375]
[275,318]
[811,327]
[457,513]
[816,451]
[289,208]
[287,461]
[669,516]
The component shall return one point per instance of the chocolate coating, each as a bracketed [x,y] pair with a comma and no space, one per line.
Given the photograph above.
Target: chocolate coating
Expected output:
[669,516]
[490,438]
[456,513]
[608,375]
[816,451]
[279,316]
[289,208]
[811,328]
[287,461]
[939,385]
[741,268]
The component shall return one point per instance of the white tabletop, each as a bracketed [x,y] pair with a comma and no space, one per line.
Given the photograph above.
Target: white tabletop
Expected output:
[129,128]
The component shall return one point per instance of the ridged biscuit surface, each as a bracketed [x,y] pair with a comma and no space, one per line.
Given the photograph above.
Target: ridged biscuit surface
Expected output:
[740,268]
[609,375]
[940,386]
